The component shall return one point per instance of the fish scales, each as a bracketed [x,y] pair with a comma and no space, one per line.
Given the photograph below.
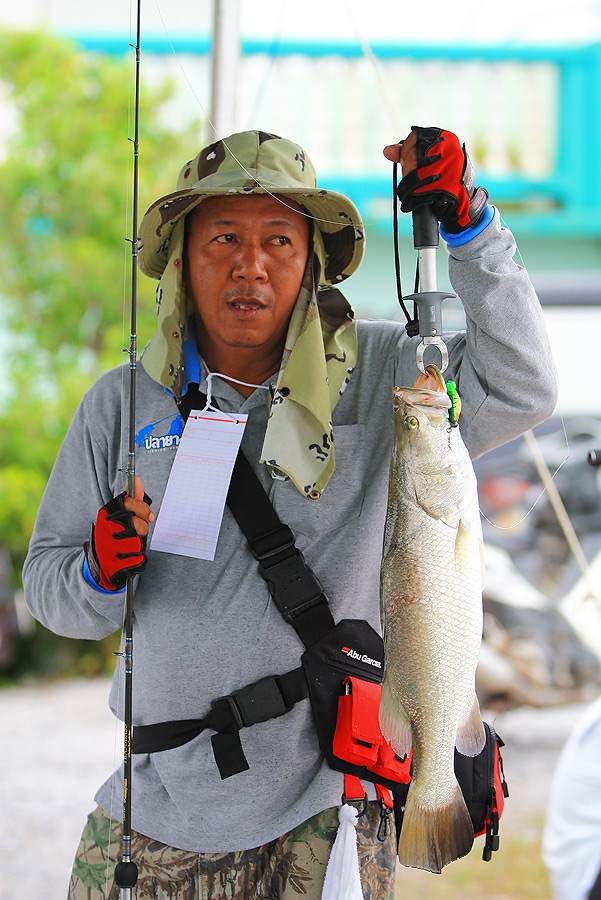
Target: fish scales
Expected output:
[431,605]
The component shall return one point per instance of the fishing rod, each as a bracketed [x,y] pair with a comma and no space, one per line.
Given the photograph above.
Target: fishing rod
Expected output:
[126,871]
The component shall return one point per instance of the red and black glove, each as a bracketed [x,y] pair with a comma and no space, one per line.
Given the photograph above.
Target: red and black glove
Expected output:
[444,178]
[115,549]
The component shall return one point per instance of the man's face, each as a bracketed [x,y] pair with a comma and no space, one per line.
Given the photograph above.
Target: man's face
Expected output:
[245,260]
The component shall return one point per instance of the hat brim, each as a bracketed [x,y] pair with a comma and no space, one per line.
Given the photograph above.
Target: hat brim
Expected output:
[336,216]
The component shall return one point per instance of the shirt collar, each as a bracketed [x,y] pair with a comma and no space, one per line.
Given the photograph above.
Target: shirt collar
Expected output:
[195,372]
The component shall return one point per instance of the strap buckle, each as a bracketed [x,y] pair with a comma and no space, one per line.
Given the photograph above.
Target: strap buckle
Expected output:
[293,586]
[255,703]
[271,543]
[354,793]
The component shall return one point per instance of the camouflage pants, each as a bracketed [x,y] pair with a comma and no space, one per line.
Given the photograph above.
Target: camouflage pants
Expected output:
[292,866]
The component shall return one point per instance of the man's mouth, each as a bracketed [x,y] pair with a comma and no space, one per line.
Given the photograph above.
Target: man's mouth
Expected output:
[246,304]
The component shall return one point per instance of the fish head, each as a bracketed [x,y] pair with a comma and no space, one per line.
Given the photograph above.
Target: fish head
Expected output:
[429,462]
[428,397]
[421,412]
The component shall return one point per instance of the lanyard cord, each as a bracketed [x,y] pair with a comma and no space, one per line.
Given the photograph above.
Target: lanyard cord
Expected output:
[411,326]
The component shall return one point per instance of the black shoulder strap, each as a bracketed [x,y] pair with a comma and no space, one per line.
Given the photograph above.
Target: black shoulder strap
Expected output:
[294,587]
[297,594]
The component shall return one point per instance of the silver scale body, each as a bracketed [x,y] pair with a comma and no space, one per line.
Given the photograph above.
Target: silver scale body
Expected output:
[429,299]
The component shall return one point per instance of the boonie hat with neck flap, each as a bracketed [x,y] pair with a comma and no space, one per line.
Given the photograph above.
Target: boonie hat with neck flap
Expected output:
[256,162]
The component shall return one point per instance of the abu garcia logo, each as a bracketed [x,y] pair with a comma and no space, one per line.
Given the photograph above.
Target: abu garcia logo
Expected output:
[364,658]
[150,437]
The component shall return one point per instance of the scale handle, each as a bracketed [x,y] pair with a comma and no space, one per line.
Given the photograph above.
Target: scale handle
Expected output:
[425,241]
[425,228]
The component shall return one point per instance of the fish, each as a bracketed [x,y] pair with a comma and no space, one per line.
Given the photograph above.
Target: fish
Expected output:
[431,611]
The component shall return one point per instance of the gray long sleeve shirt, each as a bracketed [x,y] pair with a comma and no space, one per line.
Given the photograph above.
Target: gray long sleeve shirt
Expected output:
[205,629]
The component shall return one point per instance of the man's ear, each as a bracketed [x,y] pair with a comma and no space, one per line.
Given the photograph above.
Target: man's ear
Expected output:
[188,305]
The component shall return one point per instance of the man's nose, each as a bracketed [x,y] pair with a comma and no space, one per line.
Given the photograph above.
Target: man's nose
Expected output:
[250,263]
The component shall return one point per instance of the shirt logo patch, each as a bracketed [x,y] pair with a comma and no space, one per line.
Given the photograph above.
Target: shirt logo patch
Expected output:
[159,435]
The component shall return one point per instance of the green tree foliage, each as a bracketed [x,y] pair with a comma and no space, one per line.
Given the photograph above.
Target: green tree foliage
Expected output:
[64,189]
[65,205]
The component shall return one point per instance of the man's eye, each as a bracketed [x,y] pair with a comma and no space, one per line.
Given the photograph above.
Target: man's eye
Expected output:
[225,238]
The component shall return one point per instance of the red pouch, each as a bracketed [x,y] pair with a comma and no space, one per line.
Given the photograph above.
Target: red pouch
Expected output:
[391,766]
[358,736]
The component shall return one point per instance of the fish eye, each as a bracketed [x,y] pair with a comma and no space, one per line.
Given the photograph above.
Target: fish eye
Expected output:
[411,423]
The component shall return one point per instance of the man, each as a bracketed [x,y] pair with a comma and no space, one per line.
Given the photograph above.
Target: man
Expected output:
[248,251]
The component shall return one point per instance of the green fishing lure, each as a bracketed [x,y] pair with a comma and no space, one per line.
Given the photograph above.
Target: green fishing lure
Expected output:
[455,402]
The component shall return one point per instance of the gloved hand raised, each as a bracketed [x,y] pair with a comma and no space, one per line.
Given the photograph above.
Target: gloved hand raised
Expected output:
[117,542]
[438,171]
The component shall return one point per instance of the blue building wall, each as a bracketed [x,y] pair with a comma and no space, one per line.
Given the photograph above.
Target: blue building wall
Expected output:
[555,214]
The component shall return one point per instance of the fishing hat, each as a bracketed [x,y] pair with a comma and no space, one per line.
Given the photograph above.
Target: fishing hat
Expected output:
[255,162]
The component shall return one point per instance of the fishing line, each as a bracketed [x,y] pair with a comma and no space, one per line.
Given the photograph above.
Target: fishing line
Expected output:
[387,101]
[387,104]
[126,252]
[526,514]
[250,175]
[542,493]
[261,90]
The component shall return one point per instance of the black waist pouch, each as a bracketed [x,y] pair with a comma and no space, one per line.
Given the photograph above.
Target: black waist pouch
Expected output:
[344,676]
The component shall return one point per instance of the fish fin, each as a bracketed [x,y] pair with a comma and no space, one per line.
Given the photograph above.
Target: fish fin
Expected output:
[462,546]
[394,721]
[432,837]
[471,737]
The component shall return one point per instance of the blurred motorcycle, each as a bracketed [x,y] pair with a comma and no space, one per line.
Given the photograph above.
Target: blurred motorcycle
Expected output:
[517,513]
[532,649]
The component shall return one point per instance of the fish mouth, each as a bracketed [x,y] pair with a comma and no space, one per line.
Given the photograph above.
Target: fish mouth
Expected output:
[430,380]
[429,392]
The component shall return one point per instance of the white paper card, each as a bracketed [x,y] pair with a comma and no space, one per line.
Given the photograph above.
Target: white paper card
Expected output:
[190,516]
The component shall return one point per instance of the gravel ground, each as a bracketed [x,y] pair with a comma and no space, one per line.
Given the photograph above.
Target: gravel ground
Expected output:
[59,741]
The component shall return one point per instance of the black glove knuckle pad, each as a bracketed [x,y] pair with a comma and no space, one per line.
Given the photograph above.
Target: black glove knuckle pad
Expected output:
[457,203]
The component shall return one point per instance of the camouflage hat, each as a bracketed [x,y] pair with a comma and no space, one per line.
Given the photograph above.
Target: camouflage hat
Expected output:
[255,162]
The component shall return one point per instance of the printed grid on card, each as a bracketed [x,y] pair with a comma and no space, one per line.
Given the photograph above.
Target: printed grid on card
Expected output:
[190,516]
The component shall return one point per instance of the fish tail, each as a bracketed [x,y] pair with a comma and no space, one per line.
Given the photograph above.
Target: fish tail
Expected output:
[432,837]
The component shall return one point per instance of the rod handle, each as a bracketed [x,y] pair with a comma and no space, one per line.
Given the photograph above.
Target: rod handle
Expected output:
[425,228]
